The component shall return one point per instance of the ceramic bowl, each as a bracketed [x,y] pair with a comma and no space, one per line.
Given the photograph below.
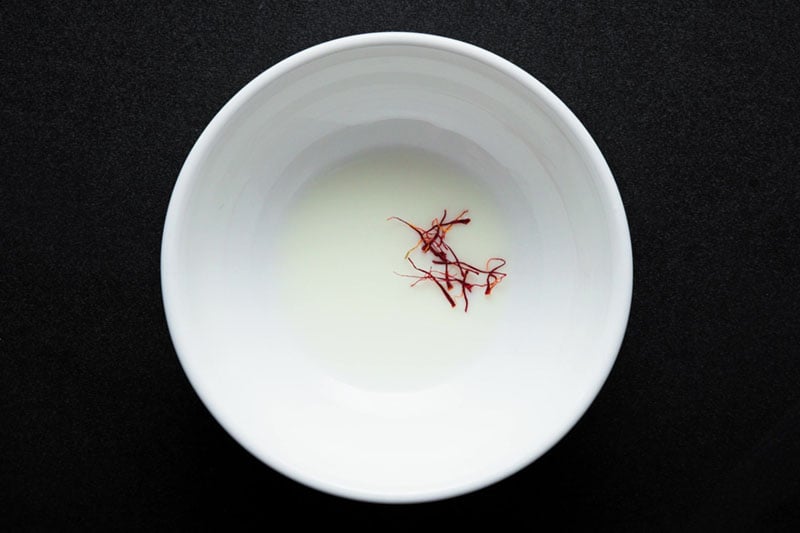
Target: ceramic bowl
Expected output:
[282,277]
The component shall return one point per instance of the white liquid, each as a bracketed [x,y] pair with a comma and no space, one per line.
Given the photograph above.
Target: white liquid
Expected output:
[339,257]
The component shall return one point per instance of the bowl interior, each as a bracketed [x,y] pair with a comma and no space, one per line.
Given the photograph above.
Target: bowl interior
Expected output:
[280,268]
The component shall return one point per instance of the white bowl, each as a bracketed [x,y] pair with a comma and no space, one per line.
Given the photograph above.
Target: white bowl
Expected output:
[278,268]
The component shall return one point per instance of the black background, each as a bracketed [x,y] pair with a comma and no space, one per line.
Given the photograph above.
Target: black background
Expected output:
[694,105]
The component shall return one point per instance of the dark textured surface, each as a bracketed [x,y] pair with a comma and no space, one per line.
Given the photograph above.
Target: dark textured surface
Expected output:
[695,107]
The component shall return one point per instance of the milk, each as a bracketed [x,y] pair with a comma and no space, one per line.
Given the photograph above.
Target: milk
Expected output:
[339,259]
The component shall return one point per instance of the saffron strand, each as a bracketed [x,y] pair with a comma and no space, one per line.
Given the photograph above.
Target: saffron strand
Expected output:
[454,270]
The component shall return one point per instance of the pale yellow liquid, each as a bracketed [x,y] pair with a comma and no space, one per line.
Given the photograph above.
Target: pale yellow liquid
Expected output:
[339,256]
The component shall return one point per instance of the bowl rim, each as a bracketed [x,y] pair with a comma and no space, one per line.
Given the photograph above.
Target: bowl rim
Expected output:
[622,257]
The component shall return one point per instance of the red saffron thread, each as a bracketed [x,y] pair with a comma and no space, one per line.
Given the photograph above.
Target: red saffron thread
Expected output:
[449,270]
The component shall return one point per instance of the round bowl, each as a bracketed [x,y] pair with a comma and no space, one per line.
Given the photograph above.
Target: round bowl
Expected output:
[283,271]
